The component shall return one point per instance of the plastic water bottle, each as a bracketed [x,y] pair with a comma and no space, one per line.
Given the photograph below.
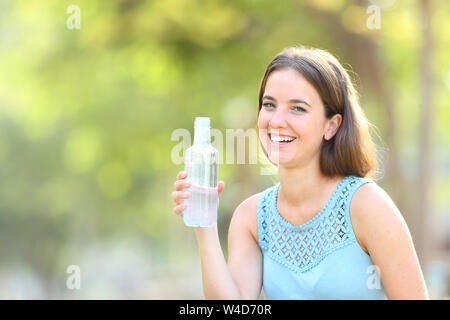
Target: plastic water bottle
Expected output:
[201,164]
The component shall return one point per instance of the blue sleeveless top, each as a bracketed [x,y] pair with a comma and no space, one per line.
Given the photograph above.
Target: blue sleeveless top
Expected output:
[320,259]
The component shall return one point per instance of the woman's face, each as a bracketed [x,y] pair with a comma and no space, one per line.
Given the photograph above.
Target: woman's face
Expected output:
[292,107]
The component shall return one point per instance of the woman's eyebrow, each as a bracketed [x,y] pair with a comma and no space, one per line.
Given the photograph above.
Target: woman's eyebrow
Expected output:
[292,100]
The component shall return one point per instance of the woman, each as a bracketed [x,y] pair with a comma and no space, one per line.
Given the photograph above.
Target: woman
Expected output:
[325,231]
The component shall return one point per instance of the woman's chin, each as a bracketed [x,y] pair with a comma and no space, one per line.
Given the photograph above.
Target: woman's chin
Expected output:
[279,159]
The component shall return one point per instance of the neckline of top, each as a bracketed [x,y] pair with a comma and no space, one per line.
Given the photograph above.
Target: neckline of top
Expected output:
[330,201]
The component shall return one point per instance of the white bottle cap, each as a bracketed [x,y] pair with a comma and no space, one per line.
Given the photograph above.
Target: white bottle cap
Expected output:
[202,122]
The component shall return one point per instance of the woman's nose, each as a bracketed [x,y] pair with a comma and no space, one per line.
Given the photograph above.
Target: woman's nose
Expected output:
[278,119]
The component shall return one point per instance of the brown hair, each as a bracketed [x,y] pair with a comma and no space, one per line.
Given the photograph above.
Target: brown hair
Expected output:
[351,151]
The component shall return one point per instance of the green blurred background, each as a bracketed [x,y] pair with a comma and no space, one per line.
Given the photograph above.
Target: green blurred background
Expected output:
[87,116]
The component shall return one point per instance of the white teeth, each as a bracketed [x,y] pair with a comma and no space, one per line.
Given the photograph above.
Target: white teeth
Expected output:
[279,139]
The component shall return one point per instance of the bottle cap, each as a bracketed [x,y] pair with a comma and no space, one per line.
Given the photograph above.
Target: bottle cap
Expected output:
[202,122]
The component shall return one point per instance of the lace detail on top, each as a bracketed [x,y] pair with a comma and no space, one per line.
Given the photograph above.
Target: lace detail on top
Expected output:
[302,247]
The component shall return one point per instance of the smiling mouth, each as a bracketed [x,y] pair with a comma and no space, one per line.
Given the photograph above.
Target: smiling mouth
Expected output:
[281,140]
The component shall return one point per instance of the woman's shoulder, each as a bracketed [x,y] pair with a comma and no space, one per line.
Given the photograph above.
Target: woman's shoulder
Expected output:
[247,209]
[249,206]
[370,197]
[372,210]
[246,213]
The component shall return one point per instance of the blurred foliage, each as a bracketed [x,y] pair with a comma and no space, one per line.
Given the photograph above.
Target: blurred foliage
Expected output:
[86,115]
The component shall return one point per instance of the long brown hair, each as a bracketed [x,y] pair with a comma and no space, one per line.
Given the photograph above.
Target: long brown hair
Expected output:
[351,151]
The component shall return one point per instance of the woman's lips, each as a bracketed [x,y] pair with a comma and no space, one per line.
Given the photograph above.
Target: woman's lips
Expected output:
[279,144]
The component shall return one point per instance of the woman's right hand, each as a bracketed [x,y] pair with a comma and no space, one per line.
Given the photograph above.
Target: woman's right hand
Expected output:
[179,194]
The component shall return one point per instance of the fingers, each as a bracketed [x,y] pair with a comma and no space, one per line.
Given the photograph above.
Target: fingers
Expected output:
[181,184]
[181,180]
[179,194]
[179,209]
[181,175]
[220,186]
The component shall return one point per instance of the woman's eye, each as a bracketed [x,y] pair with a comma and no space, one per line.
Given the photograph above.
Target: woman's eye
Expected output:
[268,104]
[300,109]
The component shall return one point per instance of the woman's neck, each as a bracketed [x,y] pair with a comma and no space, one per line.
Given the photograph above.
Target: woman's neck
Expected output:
[300,186]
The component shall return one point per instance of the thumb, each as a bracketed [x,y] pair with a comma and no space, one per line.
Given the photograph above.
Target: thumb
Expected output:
[220,186]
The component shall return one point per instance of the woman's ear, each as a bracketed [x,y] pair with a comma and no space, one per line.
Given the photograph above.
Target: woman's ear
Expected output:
[332,126]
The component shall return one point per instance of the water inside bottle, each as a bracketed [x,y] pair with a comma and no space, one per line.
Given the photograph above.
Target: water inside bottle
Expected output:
[201,208]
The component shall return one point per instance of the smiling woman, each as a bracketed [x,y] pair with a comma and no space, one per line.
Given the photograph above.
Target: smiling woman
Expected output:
[324,83]
[326,230]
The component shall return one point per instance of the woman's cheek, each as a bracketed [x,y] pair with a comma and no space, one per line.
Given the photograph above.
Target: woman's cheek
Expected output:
[263,120]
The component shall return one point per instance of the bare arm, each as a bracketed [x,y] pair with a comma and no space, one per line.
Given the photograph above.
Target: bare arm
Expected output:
[216,277]
[384,233]
[245,257]
[241,278]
